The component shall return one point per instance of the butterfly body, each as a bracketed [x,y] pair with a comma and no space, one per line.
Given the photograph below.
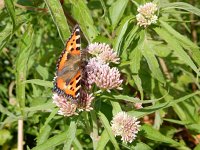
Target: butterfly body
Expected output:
[68,70]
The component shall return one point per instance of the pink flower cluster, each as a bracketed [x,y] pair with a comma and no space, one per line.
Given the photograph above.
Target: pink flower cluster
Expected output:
[125,126]
[146,15]
[98,69]
[69,108]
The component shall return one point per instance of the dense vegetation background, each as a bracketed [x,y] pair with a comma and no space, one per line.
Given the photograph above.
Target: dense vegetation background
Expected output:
[159,65]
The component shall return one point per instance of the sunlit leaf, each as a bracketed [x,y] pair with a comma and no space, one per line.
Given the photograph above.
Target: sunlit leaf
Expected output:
[83,16]
[116,11]
[59,18]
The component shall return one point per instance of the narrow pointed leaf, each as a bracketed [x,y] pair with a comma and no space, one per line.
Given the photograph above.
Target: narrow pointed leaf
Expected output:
[82,14]
[181,5]
[174,44]
[185,42]
[147,51]
[107,127]
[11,9]
[116,11]
[58,139]
[59,18]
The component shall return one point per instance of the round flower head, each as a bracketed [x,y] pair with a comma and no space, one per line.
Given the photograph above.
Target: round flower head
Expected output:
[146,14]
[102,75]
[147,9]
[67,108]
[125,126]
[103,52]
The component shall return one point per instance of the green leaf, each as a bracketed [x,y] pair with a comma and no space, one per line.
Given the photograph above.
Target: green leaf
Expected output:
[58,139]
[107,127]
[9,120]
[43,71]
[77,145]
[104,138]
[147,51]
[197,147]
[44,134]
[176,121]
[155,135]
[46,106]
[181,5]
[71,136]
[82,14]
[151,109]
[130,37]
[46,128]
[11,10]
[185,42]
[40,82]
[5,35]
[174,44]
[133,99]
[3,110]
[116,107]
[120,33]
[135,58]
[5,136]
[116,11]
[59,18]
[142,146]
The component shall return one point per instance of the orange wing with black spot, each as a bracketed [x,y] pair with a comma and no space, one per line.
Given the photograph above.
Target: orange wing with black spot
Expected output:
[68,71]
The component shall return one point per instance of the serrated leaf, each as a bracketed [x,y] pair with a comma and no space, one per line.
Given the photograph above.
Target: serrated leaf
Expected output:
[181,5]
[121,30]
[44,134]
[130,37]
[116,11]
[155,135]
[11,9]
[185,42]
[46,128]
[151,109]
[5,35]
[147,51]
[57,139]
[135,58]
[174,44]
[82,14]
[133,99]
[59,18]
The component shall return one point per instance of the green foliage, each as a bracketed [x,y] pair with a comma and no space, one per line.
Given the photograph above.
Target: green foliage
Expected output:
[159,66]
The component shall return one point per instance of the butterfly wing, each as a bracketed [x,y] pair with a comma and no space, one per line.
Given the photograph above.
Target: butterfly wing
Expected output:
[68,71]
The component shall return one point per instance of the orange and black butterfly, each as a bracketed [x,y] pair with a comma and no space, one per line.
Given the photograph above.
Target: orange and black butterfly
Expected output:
[67,82]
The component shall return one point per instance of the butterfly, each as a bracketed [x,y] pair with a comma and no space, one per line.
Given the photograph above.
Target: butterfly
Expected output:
[67,82]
